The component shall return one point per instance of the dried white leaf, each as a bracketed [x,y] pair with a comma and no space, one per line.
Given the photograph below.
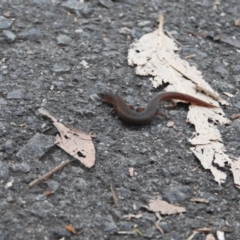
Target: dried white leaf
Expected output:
[154,55]
[220,235]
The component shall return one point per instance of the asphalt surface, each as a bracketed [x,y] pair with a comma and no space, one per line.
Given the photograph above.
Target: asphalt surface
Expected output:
[58,55]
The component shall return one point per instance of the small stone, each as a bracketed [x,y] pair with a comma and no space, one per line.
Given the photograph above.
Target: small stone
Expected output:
[21,201]
[18,113]
[149,233]
[2,124]
[105,3]
[237,78]
[22,167]
[57,68]
[73,5]
[124,31]
[64,40]
[5,233]
[224,86]
[236,69]
[41,209]
[8,146]
[3,101]
[77,77]
[52,185]
[164,226]
[16,94]
[87,11]
[123,193]
[5,23]
[109,225]
[144,23]
[61,233]
[177,195]
[32,35]
[210,209]
[175,235]
[3,170]
[59,85]
[149,216]
[222,71]
[9,35]
[137,32]
[80,184]
[36,147]
[10,199]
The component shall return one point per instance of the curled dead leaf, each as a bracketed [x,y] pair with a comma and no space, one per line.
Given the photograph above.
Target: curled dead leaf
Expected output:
[76,143]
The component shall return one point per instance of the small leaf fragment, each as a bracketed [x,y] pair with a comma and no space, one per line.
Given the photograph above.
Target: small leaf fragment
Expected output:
[157,205]
[130,216]
[131,172]
[200,200]
[170,124]
[76,143]
[70,228]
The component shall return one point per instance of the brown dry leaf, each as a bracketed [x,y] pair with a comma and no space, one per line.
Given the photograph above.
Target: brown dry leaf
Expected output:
[130,216]
[131,171]
[155,55]
[200,200]
[210,236]
[157,205]
[76,143]
[70,228]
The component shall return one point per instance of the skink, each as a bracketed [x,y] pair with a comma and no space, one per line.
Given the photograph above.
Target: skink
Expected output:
[147,115]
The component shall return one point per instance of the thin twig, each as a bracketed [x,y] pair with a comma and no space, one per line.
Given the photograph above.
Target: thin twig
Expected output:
[190,56]
[234,116]
[159,228]
[175,40]
[209,93]
[114,195]
[50,173]
[160,29]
